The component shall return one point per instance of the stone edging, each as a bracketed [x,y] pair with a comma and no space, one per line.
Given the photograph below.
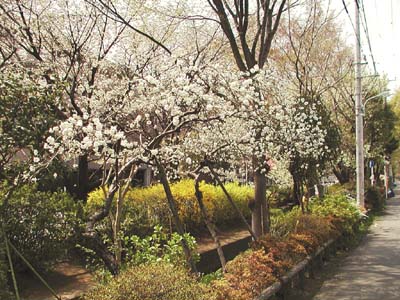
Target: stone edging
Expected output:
[275,288]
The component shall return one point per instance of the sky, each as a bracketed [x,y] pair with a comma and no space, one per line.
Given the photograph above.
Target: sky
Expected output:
[383,22]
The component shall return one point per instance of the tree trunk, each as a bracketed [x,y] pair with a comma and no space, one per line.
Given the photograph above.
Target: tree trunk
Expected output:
[297,192]
[209,223]
[94,242]
[112,260]
[175,215]
[260,189]
[259,208]
[342,173]
[266,217]
[92,239]
[83,178]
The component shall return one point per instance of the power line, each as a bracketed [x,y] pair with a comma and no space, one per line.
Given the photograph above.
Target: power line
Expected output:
[351,20]
[365,26]
[348,14]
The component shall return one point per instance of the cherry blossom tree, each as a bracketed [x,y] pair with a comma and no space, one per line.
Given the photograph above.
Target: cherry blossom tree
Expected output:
[138,120]
[128,102]
[251,48]
[65,47]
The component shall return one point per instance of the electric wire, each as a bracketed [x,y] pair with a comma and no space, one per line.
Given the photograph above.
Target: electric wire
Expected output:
[365,27]
[348,14]
[351,20]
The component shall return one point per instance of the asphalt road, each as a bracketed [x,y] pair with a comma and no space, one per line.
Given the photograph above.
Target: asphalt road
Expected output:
[372,270]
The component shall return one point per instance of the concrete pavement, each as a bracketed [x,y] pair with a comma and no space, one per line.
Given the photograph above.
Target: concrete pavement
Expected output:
[372,270]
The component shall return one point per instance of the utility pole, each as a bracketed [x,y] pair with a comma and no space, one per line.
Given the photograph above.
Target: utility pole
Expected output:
[359,114]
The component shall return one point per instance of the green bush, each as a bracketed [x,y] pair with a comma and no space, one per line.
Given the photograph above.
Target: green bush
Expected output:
[374,199]
[342,210]
[295,222]
[159,247]
[283,223]
[147,207]
[160,280]
[41,225]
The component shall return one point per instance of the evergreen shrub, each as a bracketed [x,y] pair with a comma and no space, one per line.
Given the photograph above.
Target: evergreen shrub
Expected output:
[41,225]
[374,200]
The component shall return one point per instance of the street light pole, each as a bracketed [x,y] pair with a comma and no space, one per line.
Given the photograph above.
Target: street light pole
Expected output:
[359,114]
[385,93]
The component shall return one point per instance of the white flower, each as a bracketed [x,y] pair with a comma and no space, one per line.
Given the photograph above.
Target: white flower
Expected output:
[138,119]
[50,140]
[98,134]
[89,128]
[188,160]
[175,121]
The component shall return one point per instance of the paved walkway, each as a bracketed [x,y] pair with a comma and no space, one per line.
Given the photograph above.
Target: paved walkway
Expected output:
[372,271]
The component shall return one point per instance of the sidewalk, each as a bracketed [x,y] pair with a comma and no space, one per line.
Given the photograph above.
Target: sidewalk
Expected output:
[372,271]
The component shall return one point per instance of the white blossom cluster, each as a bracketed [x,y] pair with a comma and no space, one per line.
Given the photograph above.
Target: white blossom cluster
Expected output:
[297,129]
[264,124]
[182,114]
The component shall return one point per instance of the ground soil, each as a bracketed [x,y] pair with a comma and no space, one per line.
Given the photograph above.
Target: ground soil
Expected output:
[68,279]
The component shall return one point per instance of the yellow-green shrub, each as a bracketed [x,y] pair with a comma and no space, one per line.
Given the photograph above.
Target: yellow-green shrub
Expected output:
[146,207]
